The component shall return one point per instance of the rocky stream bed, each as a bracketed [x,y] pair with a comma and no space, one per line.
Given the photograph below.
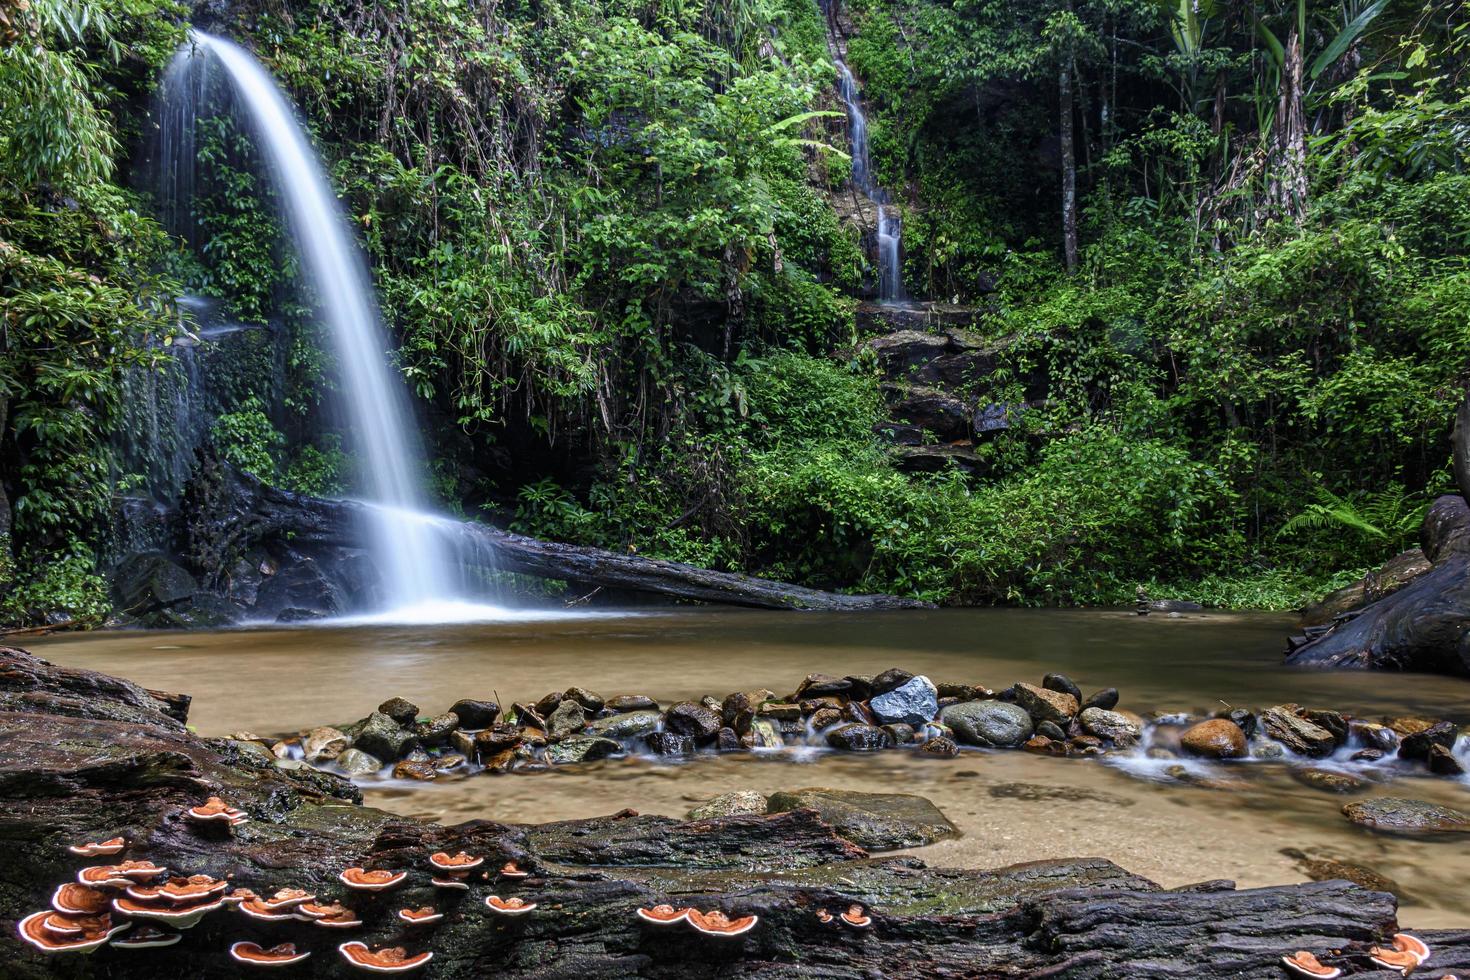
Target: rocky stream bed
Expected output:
[85,757]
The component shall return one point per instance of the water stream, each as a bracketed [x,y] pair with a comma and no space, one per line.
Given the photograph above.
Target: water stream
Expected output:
[419,569]
[1010,806]
[890,225]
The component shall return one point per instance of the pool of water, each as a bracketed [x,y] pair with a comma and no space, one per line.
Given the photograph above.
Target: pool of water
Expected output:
[1009,806]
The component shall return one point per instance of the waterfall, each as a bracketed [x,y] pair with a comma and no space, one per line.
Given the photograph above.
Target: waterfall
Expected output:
[890,226]
[415,556]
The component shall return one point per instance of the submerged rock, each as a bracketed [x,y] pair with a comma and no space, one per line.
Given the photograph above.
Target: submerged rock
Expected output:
[730,804]
[669,743]
[1329,781]
[913,702]
[1404,816]
[1330,869]
[876,821]
[581,748]
[356,762]
[1218,738]
[993,724]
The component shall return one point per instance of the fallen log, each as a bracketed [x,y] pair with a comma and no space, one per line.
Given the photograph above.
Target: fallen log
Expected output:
[227,513]
[86,757]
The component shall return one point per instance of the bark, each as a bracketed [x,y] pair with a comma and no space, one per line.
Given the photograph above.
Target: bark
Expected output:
[85,757]
[227,512]
[1291,134]
[1462,448]
[1069,167]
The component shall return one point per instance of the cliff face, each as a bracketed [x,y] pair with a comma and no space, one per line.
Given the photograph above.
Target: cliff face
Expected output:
[86,757]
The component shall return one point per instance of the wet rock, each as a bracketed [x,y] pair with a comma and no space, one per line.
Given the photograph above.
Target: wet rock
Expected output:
[913,702]
[625,703]
[1417,746]
[581,748]
[1329,781]
[941,746]
[1330,869]
[1112,726]
[710,702]
[729,805]
[1368,755]
[899,733]
[1378,737]
[419,769]
[476,714]
[818,685]
[779,711]
[826,717]
[1442,762]
[324,744]
[1050,729]
[401,710]
[1062,684]
[1105,700]
[964,692]
[1299,735]
[1218,738]
[497,738]
[1410,724]
[857,738]
[356,762]
[383,737]
[526,716]
[631,724]
[811,706]
[993,724]
[436,730]
[567,719]
[1404,816]
[1263,748]
[1041,745]
[1244,720]
[889,680]
[449,762]
[1332,721]
[876,821]
[148,582]
[694,720]
[548,703]
[743,703]
[668,743]
[727,741]
[1203,780]
[1044,705]
[503,761]
[590,701]
[860,687]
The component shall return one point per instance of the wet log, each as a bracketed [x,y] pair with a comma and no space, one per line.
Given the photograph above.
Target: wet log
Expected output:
[122,765]
[226,513]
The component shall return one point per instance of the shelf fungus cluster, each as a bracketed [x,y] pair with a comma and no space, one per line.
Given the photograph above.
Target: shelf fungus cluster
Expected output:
[453,870]
[712,923]
[855,917]
[1404,954]
[215,811]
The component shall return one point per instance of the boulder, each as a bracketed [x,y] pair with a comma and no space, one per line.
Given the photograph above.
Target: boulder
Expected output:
[1046,705]
[1285,724]
[383,737]
[857,738]
[567,719]
[581,748]
[694,720]
[147,582]
[631,724]
[729,805]
[1112,726]
[1404,816]
[476,714]
[668,743]
[1217,738]
[913,702]
[324,744]
[993,724]
[875,821]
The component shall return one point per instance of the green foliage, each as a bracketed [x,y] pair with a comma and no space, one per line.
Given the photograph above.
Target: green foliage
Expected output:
[247,439]
[66,588]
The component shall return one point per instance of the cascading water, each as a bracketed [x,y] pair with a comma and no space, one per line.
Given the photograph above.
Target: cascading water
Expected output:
[414,549]
[890,227]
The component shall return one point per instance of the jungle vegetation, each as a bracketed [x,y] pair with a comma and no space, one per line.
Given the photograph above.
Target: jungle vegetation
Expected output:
[1230,237]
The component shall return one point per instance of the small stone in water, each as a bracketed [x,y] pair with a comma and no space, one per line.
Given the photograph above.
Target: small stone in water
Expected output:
[857,738]
[1106,700]
[415,769]
[729,805]
[694,720]
[826,717]
[567,719]
[1442,762]
[1217,738]
[727,741]
[889,680]
[1329,781]
[1062,684]
[900,733]
[1045,705]
[631,702]
[449,762]
[590,701]
[356,762]
[401,710]
[941,746]
[476,714]
[1112,726]
[1051,730]
[668,743]
[324,744]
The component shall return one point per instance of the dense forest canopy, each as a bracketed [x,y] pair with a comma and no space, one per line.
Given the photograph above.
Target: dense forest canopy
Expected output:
[1215,251]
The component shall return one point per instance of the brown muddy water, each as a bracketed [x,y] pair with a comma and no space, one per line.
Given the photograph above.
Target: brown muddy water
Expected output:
[1009,806]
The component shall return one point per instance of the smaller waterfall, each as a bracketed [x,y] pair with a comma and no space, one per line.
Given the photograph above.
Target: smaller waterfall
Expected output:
[890,225]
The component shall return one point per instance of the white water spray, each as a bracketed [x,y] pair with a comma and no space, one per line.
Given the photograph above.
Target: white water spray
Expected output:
[412,547]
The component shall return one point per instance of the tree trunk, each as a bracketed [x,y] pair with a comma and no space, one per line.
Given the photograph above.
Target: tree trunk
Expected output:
[1291,134]
[1462,448]
[1069,167]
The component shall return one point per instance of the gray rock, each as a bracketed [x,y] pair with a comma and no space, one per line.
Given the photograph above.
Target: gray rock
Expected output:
[631,724]
[589,700]
[876,821]
[911,703]
[581,748]
[1398,815]
[356,762]
[729,805]
[694,720]
[900,733]
[857,738]
[1049,729]
[668,743]
[324,744]
[401,710]
[383,737]
[994,724]
[625,703]
[436,730]
[567,719]
[475,714]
